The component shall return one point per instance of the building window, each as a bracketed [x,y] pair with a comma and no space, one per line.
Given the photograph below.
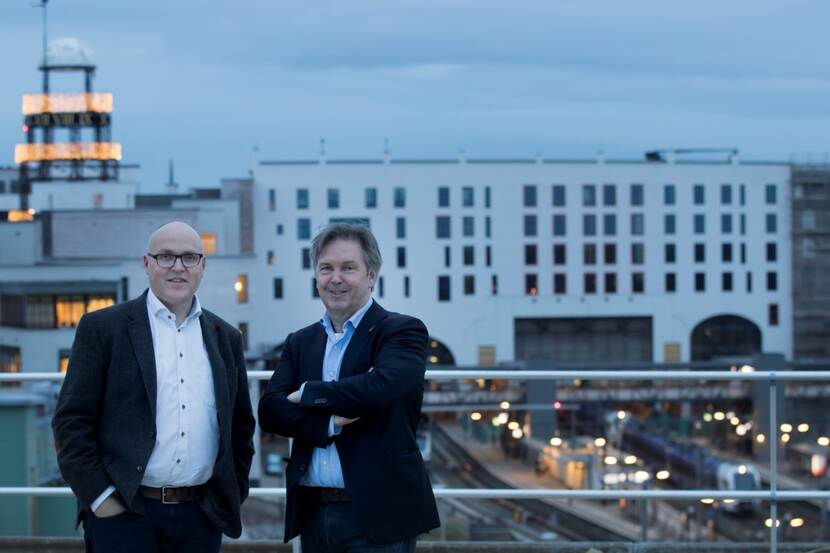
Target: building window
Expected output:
[529,195]
[609,195]
[638,283]
[669,224]
[610,254]
[530,254]
[590,283]
[208,242]
[314,292]
[610,283]
[333,195]
[380,286]
[559,225]
[488,256]
[726,194]
[772,223]
[469,285]
[494,284]
[743,224]
[700,253]
[63,361]
[305,258]
[443,196]
[443,288]
[468,226]
[668,194]
[559,283]
[400,197]
[589,254]
[726,282]
[670,254]
[40,312]
[773,314]
[442,226]
[742,194]
[241,287]
[637,194]
[671,282]
[530,225]
[770,194]
[749,281]
[772,281]
[589,225]
[10,361]
[272,199]
[279,230]
[303,228]
[97,201]
[467,196]
[589,195]
[469,255]
[487,227]
[371,199]
[270,258]
[700,282]
[447,256]
[400,227]
[638,253]
[243,330]
[638,224]
[699,223]
[699,195]
[559,254]
[302,198]
[406,286]
[487,196]
[401,257]
[726,252]
[278,290]
[558,195]
[772,251]
[531,284]
[743,253]
[609,224]
[68,310]
[726,223]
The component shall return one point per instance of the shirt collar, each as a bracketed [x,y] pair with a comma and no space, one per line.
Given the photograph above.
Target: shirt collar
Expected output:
[156,307]
[355,319]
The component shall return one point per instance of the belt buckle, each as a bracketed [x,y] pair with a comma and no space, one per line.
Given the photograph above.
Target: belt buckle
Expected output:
[164,499]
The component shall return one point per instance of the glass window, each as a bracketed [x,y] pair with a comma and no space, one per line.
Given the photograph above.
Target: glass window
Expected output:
[443,196]
[406,286]
[530,225]
[401,257]
[749,281]
[610,283]
[40,312]
[589,254]
[529,195]
[700,253]
[487,196]
[302,198]
[559,225]
[771,194]
[773,314]
[559,254]
[638,283]
[743,252]
[469,285]
[531,284]
[610,254]
[371,198]
[272,200]
[772,281]
[468,226]
[487,227]
[637,194]
[270,258]
[305,258]
[742,194]
[609,224]
[726,194]
[638,224]
[669,224]
[488,256]
[241,287]
[467,196]
[442,226]
[530,254]
[743,224]
[303,228]
[333,196]
[400,227]
[314,292]
[700,282]
[469,255]
[279,230]
[671,282]
[400,197]
[699,195]
[559,283]
[670,253]
[726,223]
[278,291]
[726,252]
[668,194]
[699,223]
[638,253]
[772,251]
[590,283]
[589,195]
[589,225]
[558,195]
[772,223]
[609,194]
[726,282]
[447,256]
[494,284]
[443,288]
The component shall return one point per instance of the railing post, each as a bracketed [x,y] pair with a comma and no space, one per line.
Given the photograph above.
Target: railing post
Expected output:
[773,463]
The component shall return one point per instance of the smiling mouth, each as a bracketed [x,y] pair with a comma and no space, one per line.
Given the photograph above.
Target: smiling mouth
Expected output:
[177,280]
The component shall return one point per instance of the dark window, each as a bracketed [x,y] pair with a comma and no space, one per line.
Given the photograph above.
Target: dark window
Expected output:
[559,254]
[743,224]
[638,224]
[529,195]
[748,282]
[467,198]
[442,226]
[742,193]
[314,292]
[638,283]
[333,198]
[302,198]
[400,227]
[670,254]
[590,283]
[446,256]
[303,229]
[494,284]
[443,196]
[589,195]
[726,282]
[772,281]
[272,198]
[559,283]
[468,226]
[743,252]
[671,282]
[380,287]
[700,282]
[609,194]
[773,314]
[469,255]
[279,230]
[589,254]
[700,253]
[668,194]
[669,225]
[530,225]
[469,285]
[559,225]
[771,195]
[726,252]
[772,251]
[700,223]
[401,257]
[609,224]
[726,194]
[772,223]
[638,253]
[443,288]
[371,197]
[488,256]
[400,197]
[531,284]
[530,254]
[486,196]
[589,225]
[558,195]
[699,195]
[636,194]
[487,225]
[726,223]
[305,258]
[406,286]
[610,254]
[610,283]
[271,257]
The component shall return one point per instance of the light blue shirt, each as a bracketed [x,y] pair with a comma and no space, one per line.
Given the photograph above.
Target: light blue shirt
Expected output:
[325,470]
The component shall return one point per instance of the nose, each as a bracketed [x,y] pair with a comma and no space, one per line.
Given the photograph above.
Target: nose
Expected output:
[178,265]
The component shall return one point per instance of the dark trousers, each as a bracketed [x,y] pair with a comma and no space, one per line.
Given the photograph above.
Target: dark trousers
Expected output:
[333,528]
[180,528]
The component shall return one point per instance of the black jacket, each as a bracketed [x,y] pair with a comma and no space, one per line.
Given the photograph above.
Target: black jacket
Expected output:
[386,480]
[105,420]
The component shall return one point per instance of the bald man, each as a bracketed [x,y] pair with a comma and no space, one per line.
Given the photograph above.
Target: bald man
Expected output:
[153,426]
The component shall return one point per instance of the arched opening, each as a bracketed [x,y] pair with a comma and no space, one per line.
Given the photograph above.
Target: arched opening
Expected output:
[438,353]
[725,336]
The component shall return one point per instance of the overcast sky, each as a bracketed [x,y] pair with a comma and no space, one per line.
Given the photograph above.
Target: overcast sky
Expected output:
[205,83]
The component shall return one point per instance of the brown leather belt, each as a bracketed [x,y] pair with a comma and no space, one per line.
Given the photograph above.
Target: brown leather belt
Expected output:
[325,495]
[171,496]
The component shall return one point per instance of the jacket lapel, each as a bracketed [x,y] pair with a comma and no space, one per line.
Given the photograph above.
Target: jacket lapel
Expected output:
[313,370]
[141,337]
[217,366]
[362,336]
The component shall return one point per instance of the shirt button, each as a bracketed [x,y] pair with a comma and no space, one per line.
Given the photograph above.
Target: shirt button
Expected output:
[181,355]
[178,460]
[182,380]
[179,330]
[182,433]
[182,406]
[139,468]
[169,316]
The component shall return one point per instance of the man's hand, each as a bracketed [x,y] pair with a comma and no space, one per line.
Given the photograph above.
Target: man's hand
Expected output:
[110,507]
[294,397]
[343,421]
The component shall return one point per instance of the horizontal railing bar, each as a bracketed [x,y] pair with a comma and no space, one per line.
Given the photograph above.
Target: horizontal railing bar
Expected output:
[543,375]
[513,493]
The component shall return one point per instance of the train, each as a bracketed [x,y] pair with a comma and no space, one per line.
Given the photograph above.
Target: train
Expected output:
[690,466]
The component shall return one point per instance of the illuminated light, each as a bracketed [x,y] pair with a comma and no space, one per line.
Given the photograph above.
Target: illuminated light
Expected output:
[504,405]
[475,415]
[613,479]
[557,405]
[818,464]
[99,102]
[25,153]
[16,216]
[742,469]
[630,459]
[517,433]
[741,430]
[803,427]
[760,438]
[785,438]
[480,382]
[768,523]
[577,382]
[797,522]
[556,441]
[621,415]
[434,344]
[433,359]
[599,442]
[662,475]
[823,441]
[707,500]
[640,476]
[533,291]
[513,425]
[730,414]
[719,416]
[786,427]
[747,369]
[25,127]
[735,421]
[728,501]
[238,286]
[707,417]
[495,422]
[610,460]
[503,418]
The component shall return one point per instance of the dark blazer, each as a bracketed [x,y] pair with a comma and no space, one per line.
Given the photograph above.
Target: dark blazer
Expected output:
[105,420]
[386,480]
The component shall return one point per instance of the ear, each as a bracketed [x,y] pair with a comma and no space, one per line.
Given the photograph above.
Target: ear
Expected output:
[373,276]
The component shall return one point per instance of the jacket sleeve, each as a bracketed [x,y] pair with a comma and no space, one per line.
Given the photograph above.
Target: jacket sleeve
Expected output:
[75,424]
[280,416]
[243,425]
[399,368]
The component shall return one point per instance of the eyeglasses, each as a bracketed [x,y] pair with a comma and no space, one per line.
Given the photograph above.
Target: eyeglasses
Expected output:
[167,260]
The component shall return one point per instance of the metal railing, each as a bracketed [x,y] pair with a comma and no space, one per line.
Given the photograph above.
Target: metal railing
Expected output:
[774,495]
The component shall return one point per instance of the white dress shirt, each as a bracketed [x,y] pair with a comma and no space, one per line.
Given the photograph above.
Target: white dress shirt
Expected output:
[187,430]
